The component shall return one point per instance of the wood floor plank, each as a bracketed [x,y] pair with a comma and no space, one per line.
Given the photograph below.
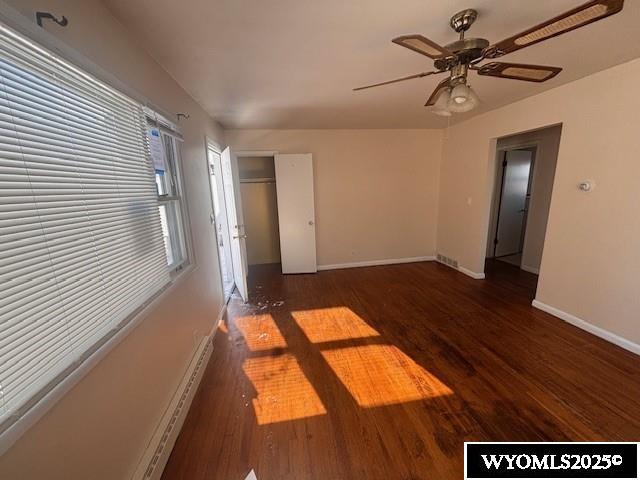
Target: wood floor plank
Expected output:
[384,372]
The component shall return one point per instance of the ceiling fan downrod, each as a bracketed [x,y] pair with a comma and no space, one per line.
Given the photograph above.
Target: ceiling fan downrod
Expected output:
[462,21]
[464,50]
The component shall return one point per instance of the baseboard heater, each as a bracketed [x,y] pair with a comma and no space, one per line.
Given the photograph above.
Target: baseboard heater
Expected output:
[155,457]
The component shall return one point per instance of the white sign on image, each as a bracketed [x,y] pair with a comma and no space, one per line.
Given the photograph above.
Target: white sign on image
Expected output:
[157,150]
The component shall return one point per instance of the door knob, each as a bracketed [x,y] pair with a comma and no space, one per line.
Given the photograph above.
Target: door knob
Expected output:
[240,236]
[310,222]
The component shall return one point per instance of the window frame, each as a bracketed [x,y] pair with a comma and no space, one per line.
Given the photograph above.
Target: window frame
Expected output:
[67,380]
[175,204]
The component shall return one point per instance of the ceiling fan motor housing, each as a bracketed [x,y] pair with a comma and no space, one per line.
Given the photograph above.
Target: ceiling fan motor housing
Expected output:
[465,51]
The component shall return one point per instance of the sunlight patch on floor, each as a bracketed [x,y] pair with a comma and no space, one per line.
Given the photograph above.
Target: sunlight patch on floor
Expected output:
[332,324]
[260,332]
[378,375]
[283,391]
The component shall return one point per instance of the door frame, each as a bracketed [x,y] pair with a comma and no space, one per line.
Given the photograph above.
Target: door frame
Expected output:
[215,146]
[489,189]
[256,153]
[501,157]
[259,153]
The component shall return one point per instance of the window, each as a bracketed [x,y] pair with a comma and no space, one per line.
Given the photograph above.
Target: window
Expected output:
[81,234]
[165,155]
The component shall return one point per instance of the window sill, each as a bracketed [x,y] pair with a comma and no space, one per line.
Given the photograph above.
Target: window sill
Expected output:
[181,270]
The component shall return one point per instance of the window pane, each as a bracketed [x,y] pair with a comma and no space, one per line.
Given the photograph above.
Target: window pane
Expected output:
[161,183]
[164,153]
[165,233]
[172,233]
[162,149]
[169,177]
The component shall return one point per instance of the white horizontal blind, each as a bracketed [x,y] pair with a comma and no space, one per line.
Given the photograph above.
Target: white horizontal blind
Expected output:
[81,245]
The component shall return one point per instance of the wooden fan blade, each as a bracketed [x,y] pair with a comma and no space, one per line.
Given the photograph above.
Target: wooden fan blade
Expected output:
[519,71]
[410,77]
[434,95]
[578,17]
[422,45]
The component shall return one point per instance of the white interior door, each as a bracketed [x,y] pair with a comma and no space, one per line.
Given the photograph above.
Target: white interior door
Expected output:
[235,219]
[296,212]
[513,202]
[220,222]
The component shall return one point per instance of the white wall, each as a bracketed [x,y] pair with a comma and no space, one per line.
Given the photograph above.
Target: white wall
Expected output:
[376,191]
[260,208]
[591,257]
[100,429]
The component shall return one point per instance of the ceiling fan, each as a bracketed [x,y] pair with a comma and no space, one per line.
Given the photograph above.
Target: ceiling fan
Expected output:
[454,95]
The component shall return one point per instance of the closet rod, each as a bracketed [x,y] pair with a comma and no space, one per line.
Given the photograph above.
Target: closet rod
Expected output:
[257,180]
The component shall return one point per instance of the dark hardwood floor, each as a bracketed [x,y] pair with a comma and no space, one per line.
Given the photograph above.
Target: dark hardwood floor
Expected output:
[383,372]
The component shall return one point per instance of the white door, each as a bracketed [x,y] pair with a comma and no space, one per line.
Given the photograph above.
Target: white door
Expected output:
[513,202]
[296,212]
[235,219]
[220,222]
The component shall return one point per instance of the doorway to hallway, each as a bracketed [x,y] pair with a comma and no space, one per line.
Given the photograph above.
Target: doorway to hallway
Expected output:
[524,172]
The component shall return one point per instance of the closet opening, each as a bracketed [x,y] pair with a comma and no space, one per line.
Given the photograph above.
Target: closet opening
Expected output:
[260,209]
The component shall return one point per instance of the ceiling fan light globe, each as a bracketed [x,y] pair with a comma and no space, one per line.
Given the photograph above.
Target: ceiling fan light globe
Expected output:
[441,106]
[460,93]
[471,102]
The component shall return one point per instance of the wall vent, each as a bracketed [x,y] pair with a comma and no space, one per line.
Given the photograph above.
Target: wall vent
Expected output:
[447,261]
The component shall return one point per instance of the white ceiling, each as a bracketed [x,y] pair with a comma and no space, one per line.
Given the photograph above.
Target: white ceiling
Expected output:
[293,63]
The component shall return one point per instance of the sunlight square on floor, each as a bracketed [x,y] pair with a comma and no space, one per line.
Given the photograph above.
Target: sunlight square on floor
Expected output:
[283,391]
[332,324]
[377,375]
[260,332]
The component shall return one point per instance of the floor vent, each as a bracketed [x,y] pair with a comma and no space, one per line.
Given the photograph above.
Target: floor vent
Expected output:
[447,261]
[174,417]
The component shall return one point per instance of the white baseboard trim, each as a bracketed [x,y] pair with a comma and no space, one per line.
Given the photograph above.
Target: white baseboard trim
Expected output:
[472,274]
[529,269]
[156,454]
[374,263]
[597,331]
